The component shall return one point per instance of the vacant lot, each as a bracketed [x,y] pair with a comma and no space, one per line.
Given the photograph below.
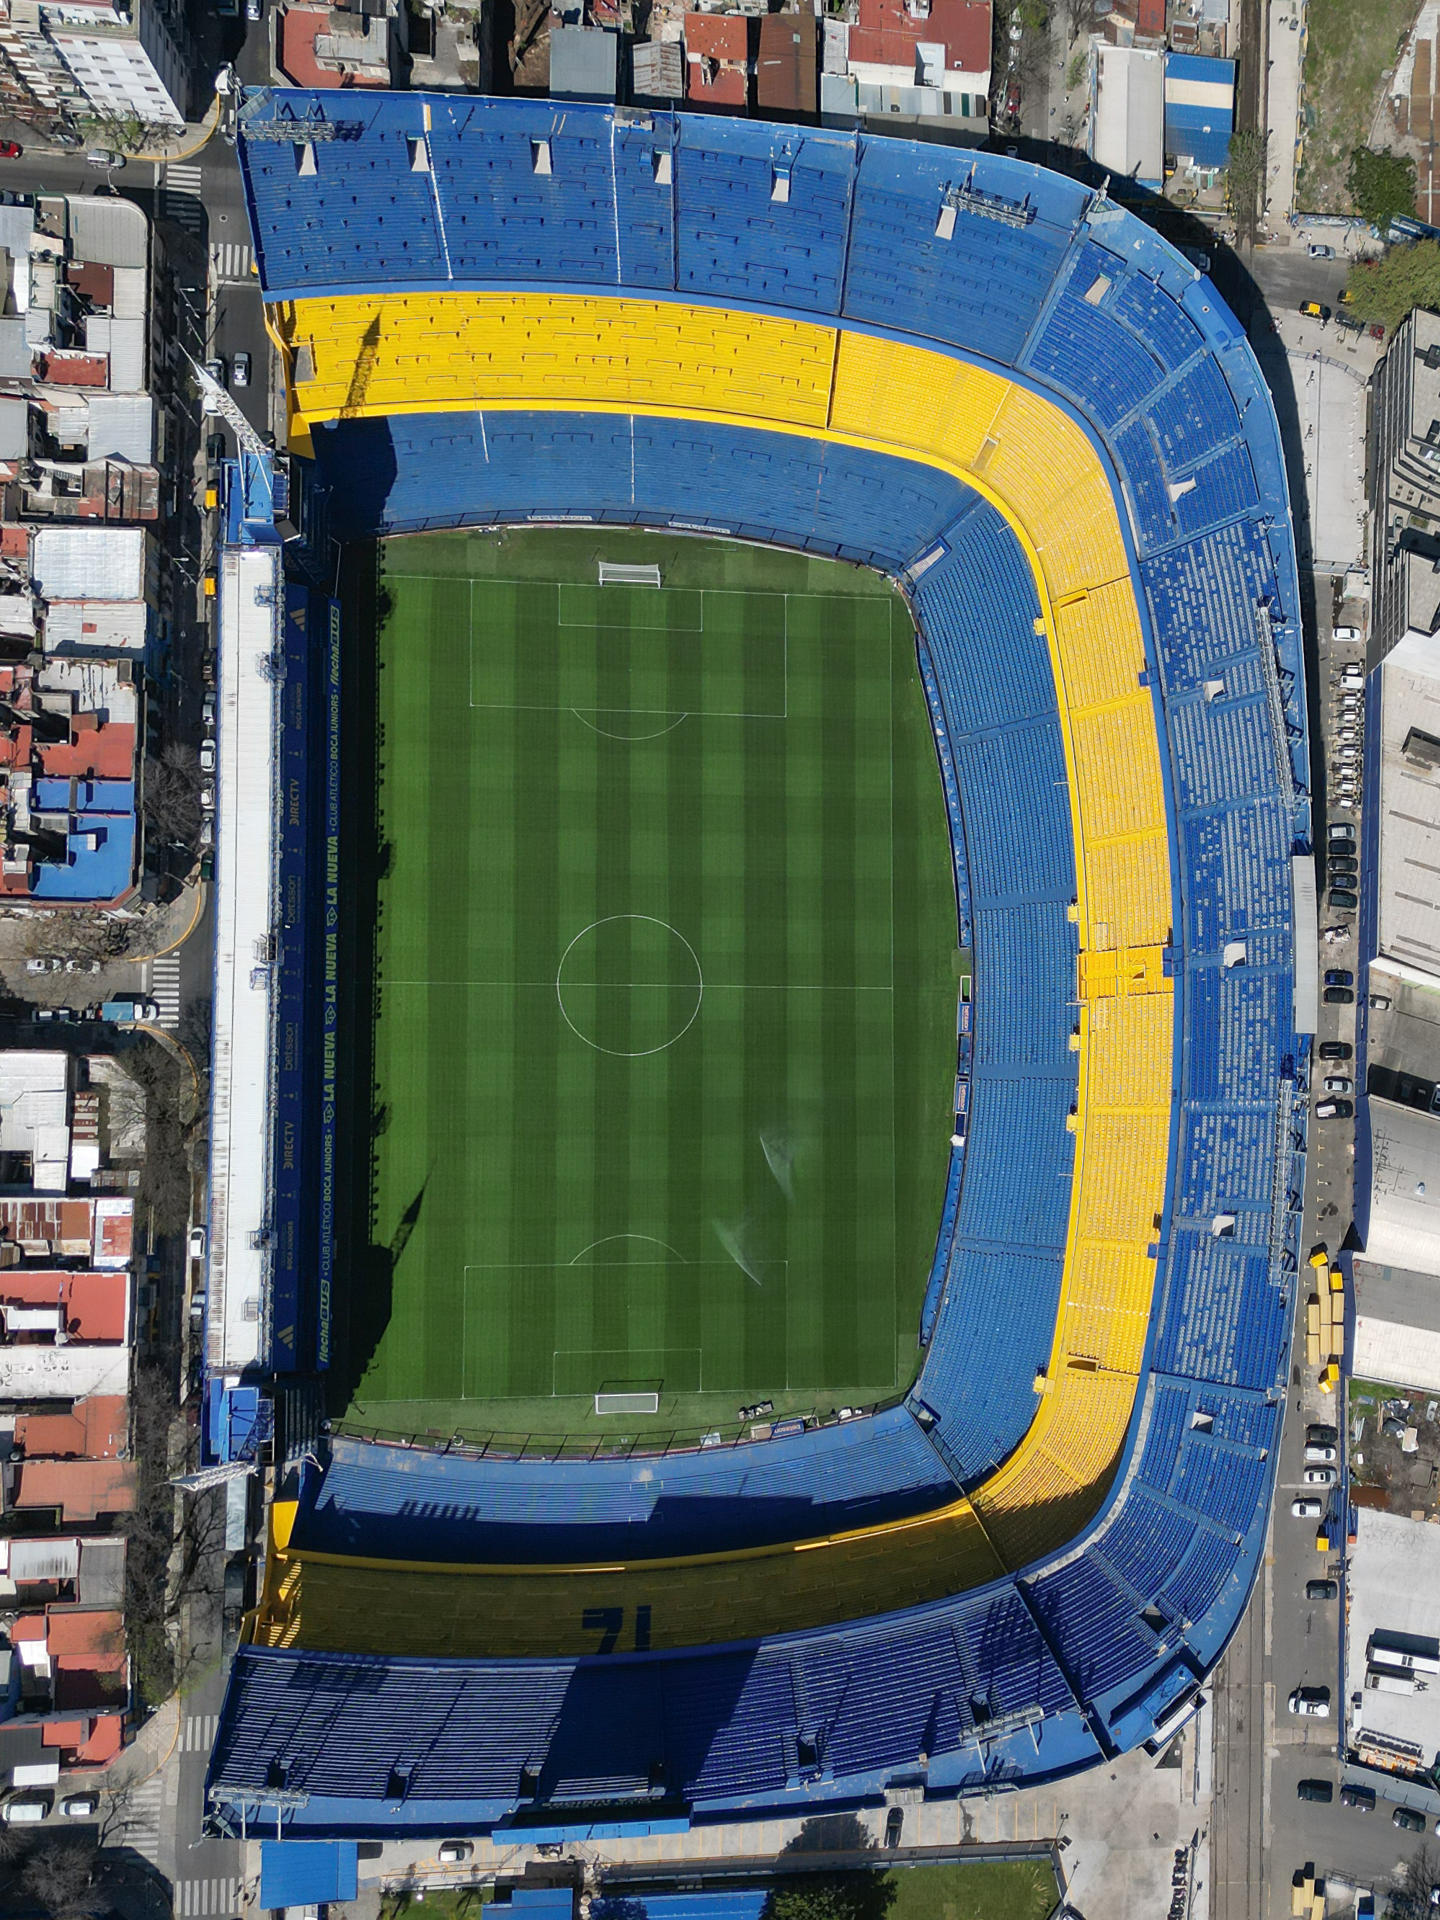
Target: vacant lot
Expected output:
[1351,51]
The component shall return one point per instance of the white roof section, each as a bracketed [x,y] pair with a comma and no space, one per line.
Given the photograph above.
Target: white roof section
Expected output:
[1393,1587]
[108,231]
[96,626]
[124,341]
[1397,1326]
[1404,1188]
[94,686]
[89,563]
[1127,133]
[35,1114]
[250,598]
[63,1373]
[121,427]
[1409,869]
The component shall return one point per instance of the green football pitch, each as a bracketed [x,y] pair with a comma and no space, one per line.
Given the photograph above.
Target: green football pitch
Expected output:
[663,1044]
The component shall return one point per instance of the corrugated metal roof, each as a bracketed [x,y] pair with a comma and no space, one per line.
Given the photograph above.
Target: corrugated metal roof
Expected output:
[583,63]
[89,563]
[124,342]
[14,427]
[108,230]
[14,348]
[122,427]
[96,626]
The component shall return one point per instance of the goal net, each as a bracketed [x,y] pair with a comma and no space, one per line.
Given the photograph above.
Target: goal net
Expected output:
[614,574]
[627,1403]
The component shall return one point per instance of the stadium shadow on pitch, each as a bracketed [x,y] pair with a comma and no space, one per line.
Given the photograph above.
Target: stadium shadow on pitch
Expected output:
[362,1305]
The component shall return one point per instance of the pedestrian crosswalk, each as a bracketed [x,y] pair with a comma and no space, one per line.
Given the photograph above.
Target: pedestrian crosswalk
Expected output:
[230,261]
[138,1816]
[197,1734]
[195,1897]
[165,988]
[181,186]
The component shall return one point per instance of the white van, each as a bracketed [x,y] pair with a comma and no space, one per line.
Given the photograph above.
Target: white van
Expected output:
[27,1809]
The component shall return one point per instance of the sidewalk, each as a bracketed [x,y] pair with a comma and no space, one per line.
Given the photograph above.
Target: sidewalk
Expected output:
[1287,38]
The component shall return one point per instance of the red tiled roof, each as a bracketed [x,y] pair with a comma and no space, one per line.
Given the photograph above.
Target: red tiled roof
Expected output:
[28,1626]
[88,1631]
[103,753]
[81,1489]
[78,369]
[298,28]
[63,1733]
[107,1736]
[887,34]
[14,541]
[96,1304]
[95,1430]
[717,36]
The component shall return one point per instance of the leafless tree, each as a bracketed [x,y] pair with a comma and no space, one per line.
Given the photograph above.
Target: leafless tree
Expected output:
[60,1876]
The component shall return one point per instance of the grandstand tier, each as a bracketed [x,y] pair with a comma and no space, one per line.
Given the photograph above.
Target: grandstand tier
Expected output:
[1104,586]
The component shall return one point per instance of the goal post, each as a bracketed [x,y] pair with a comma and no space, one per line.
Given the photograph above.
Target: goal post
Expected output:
[627,1403]
[614,573]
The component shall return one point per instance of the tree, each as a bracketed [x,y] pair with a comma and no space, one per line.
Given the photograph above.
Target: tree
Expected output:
[60,1877]
[1381,184]
[1389,288]
[172,793]
[864,1893]
[1079,17]
[1411,1899]
[1247,179]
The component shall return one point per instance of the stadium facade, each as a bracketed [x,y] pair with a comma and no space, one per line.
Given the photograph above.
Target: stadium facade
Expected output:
[1010,396]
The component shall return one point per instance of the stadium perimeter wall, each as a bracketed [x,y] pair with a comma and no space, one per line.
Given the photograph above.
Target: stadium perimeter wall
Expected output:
[1169,1474]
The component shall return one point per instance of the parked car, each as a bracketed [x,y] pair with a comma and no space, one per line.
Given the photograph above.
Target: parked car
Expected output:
[1339,1083]
[1317,1434]
[207,715]
[1339,997]
[207,832]
[1343,863]
[1312,310]
[80,1806]
[106,157]
[1311,1701]
[254,9]
[1320,1453]
[1339,977]
[1322,1590]
[10,150]
[1362,1797]
[1336,1050]
[1342,900]
[197,1243]
[207,756]
[894,1822]
[242,370]
[207,866]
[216,369]
[1317,252]
[27,1809]
[207,797]
[452,1851]
[1320,1476]
[1333,935]
[1407,1820]
[1012,100]
[1334,1109]
[1341,830]
[1323,1790]
[1347,633]
[1307,1507]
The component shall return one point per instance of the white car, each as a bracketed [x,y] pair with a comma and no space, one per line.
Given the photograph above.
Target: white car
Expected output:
[1307,1508]
[27,1809]
[1319,1476]
[197,1243]
[36,966]
[207,796]
[452,1851]
[1312,1701]
[1321,1455]
[1347,633]
[207,756]
[1317,252]
[80,1806]
[1336,1083]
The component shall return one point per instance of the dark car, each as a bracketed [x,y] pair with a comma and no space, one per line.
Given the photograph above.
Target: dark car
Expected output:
[1343,862]
[894,1821]
[1362,1797]
[1342,899]
[1315,1790]
[1321,1590]
[1319,1435]
[1407,1821]
[1012,100]
[1334,1109]
[1339,997]
[1338,977]
[1335,1050]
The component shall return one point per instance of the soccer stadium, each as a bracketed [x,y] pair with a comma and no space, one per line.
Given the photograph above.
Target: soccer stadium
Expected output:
[782,1107]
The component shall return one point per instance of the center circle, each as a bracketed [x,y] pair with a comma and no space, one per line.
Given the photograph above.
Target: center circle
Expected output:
[629,985]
